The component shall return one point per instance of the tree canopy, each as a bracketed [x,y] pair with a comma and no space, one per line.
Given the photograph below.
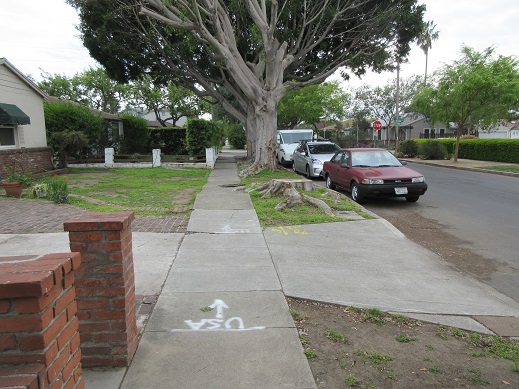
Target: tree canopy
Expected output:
[379,102]
[246,54]
[312,104]
[474,91]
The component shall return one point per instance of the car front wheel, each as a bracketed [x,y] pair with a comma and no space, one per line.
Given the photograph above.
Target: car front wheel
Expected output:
[329,183]
[355,193]
[308,172]
[412,199]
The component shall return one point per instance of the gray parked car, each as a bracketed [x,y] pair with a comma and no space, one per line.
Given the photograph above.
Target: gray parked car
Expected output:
[310,156]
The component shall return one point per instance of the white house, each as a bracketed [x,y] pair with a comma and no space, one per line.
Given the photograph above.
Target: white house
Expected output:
[505,130]
[22,122]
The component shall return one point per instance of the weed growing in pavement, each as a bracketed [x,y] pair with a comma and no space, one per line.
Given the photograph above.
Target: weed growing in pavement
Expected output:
[475,377]
[374,357]
[297,315]
[458,333]
[310,354]
[442,332]
[390,373]
[354,309]
[351,381]
[429,346]
[404,338]
[496,346]
[374,315]
[434,370]
[515,366]
[336,336]
[401,319]
[206,309]
[303,340]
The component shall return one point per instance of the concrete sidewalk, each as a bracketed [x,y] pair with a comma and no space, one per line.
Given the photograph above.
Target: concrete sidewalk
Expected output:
[221,319]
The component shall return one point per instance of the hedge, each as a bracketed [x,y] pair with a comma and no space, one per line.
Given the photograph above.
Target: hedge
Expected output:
[170,140]
[497,150]
[202,134]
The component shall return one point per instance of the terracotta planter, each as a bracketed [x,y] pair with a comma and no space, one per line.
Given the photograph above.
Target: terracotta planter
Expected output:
[13,189]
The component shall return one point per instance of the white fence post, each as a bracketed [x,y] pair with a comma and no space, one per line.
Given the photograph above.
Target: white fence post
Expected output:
[210,156]
[156,162]
[109,156]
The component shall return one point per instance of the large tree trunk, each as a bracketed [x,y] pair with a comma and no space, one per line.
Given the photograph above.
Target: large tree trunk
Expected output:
[261,132]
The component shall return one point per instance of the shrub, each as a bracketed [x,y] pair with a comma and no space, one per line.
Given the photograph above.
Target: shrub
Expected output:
[170,140]
[67,117]
[57,190]
[432,149]
[202,134]
[236,135]
[408,148]
[135,138]
[499,150]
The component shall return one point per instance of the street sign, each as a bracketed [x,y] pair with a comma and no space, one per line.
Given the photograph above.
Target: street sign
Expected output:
[399,121]
[377,125]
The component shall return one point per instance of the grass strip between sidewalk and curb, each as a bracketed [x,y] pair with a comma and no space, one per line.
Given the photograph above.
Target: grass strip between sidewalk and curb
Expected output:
[302,214]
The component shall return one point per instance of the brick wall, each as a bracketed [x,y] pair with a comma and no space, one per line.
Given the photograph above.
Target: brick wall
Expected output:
[34,160]
[105,287]
[39,339]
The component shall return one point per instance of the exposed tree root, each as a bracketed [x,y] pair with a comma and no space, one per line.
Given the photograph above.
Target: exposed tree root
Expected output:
[252,170]
[289,188]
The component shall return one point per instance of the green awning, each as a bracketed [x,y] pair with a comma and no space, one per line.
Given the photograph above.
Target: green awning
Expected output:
[11,114]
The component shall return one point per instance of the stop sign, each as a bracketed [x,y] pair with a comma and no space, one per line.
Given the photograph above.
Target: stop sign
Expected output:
[377,125]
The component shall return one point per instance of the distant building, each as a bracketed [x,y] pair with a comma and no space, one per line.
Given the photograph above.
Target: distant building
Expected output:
[22,122]
[504,130]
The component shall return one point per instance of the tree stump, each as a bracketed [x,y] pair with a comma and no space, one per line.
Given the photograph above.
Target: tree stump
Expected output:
[289,188]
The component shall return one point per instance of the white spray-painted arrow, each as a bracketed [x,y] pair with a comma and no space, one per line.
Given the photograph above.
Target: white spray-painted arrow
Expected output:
[220,306]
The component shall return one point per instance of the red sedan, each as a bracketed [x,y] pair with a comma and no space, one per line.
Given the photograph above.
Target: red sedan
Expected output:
[371,172]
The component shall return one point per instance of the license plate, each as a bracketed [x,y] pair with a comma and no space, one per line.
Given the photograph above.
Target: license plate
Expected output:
[400,191]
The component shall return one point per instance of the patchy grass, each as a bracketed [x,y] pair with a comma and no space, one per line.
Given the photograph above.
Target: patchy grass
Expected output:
[302,214]
[148,191]
[373,359]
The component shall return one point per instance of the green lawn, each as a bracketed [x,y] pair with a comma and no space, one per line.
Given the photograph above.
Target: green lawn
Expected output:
[503,168]
[148,191]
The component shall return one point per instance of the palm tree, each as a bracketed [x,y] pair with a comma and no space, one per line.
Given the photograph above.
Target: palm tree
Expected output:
[425,41]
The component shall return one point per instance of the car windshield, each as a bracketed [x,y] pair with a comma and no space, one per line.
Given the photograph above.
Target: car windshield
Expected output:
[295,137]
[376,158]
[326,148]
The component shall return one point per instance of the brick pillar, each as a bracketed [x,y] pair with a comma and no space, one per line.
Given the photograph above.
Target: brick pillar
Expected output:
[105,287]
[39,339]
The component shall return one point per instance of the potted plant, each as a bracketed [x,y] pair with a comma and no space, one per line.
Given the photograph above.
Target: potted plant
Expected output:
[14,182]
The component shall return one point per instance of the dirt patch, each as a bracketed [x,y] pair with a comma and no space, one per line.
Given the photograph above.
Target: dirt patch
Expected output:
[433,236]
[351,350]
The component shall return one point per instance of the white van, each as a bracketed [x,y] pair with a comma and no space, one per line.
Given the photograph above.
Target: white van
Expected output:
[286,143]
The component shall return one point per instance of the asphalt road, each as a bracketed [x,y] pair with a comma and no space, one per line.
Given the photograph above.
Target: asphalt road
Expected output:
[471,219]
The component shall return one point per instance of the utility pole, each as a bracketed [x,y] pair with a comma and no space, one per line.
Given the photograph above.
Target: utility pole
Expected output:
[397,117]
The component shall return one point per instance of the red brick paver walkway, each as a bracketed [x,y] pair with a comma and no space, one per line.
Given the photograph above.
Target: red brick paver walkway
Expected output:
[29,216]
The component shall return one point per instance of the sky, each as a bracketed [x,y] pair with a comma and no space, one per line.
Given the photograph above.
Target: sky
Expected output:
[39,36]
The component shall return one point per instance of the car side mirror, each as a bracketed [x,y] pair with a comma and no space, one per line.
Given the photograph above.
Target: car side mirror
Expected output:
[403,162]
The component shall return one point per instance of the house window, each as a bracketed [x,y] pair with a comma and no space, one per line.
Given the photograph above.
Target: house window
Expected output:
[426,132]
[442,132]
[7,137]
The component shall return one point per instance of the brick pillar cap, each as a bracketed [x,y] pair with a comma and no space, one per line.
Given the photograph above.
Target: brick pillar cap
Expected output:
[31,276]
[100,221]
